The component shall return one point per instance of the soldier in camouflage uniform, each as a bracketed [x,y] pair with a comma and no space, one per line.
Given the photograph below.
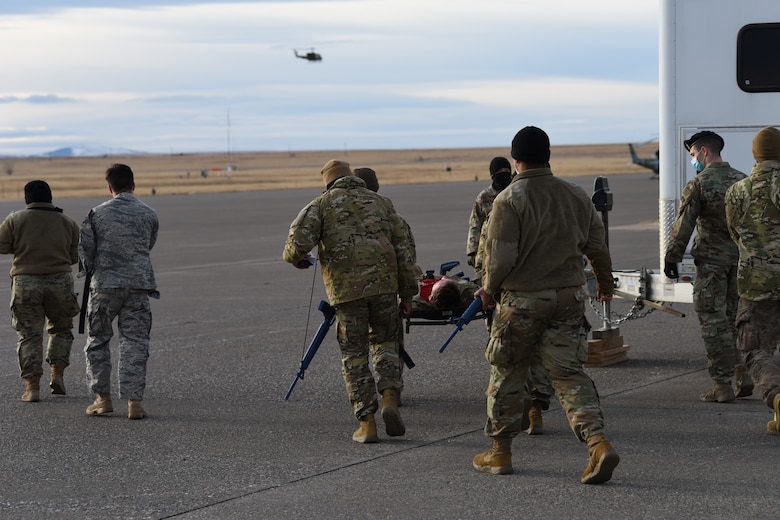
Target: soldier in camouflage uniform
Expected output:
[715,290]
[116,240]
[367,264]
[500,175]
[377,352]
[753,218]
[539,386]
[44,243]
[538,231]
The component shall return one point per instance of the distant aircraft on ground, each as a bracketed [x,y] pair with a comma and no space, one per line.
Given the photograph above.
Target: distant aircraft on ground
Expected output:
[311,55]
[651,163]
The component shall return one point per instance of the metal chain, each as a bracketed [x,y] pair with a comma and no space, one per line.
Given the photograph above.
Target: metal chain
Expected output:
[633,314]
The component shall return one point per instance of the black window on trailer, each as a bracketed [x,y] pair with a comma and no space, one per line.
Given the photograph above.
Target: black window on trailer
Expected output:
[758,57]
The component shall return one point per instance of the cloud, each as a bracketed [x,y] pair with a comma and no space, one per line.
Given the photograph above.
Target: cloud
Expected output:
[36,98]
[558,94]
[158,76]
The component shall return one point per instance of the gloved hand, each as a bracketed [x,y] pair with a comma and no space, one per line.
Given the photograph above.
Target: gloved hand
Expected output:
[307,262]
[670,270]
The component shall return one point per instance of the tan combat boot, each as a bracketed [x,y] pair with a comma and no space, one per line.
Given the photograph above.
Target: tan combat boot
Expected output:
[135,410]
[602,460]
[32,393]
[498,459]
[102,405]
[743,383]
[772,426]
[57,383]
[720,393]
[535,423]
[394,425]
[366,434]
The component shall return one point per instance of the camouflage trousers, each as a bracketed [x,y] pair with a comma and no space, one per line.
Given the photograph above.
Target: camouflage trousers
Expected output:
[715,300]
[549,324]
[38,301]
[378,357]
[539,386]
[379,315]
[134,322]
[758,334]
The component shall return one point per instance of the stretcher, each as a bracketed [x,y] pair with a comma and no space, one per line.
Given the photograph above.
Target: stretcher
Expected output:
[429,315]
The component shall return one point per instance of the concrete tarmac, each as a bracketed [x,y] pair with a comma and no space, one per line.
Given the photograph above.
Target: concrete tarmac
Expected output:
[228,335]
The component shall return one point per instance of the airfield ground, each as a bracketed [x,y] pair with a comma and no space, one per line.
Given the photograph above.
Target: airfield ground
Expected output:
[220,441]
[208,173]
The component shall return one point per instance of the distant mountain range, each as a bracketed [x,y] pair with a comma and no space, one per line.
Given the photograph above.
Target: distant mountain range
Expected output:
[94,151]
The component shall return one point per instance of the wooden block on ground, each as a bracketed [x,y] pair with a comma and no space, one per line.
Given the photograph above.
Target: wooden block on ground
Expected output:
[598,345]
[607,357]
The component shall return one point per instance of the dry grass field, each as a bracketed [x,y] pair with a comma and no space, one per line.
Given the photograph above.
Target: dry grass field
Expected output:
[207,172]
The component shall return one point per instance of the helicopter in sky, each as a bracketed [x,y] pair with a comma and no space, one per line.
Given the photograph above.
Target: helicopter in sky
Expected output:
[651,163]
[311,55]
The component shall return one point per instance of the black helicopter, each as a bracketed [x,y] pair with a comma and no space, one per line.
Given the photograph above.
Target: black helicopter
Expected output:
[311,55]
[651,163]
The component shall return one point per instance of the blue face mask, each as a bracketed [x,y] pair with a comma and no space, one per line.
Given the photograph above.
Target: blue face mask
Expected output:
[697,165]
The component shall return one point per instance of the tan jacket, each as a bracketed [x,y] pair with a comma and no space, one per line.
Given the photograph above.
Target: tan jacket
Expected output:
[42,239]
[538,231]
[363,245]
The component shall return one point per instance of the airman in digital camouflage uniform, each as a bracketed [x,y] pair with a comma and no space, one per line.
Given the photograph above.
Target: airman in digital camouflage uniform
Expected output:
[44,242]
[366,266]
[715,297]
[538,230]
[753,218]
[500,175]
[116,242]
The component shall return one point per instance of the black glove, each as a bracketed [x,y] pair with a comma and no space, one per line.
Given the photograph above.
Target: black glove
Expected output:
[670,270]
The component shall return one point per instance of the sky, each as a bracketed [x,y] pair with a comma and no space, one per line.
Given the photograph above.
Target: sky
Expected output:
[175,76]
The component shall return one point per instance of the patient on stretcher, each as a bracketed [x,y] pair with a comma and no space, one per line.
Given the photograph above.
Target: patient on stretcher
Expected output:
[442,295]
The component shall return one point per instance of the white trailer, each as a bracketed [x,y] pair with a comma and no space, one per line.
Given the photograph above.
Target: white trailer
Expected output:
[719,71]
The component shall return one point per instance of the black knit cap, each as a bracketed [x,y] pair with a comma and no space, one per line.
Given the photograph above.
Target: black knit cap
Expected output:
[37,191]
[499,163]
[531,145]
[369,177]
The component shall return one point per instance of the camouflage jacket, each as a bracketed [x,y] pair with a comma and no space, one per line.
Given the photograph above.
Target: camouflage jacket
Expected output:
[753,218]
[363,245]
[116,240]
[702,207]
[42,239]
[479,214]
[538,230]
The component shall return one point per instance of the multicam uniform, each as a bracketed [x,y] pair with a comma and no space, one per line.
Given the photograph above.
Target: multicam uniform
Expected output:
[753,217]
[366,265]
[44,243]
[538,385]
[379,356]
[478,217]
[116,239]
[715,295]
[538,231]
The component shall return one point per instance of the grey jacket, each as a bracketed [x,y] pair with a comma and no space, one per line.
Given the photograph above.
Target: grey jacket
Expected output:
[116,239]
